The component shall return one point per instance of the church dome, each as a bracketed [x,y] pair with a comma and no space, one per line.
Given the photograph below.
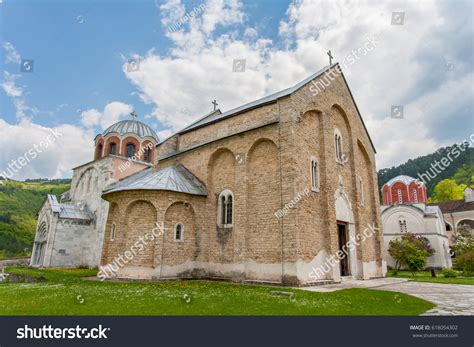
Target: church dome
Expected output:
[402,178]
[131,126]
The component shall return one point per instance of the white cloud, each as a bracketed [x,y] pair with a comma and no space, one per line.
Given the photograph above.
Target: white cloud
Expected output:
[112,112]
[11,54]
[72,147]
[9,86]
[198,66]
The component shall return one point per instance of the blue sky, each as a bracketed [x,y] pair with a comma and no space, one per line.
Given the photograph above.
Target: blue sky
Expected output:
[80,82]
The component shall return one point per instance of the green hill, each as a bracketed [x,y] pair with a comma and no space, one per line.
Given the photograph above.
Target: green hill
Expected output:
[19,204]
[420,165]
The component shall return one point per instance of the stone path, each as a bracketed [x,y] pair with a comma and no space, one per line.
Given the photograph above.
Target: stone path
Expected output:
[451,299]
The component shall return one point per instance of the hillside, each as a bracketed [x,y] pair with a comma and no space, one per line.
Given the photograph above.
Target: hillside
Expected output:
[420,165]
[19,203]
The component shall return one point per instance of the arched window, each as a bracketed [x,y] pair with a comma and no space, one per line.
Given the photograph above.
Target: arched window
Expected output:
[130,150]
[314,175]
[112,233]
[113,149]
[399,194]
[338,146]
[448,227]
[178,232]
[147,155]
[226,209]
[403,225]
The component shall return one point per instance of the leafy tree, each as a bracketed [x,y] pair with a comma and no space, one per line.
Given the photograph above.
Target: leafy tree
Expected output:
[465,175]
[448,190]
[411,251]
[464,249]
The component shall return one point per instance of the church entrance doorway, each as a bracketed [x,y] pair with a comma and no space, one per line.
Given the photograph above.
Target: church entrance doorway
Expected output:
[342,238]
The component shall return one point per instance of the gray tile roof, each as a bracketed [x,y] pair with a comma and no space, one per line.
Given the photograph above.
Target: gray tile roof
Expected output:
[66,211]
[175,178]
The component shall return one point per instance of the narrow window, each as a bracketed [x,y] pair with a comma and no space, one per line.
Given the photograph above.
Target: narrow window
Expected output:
[223,213]
[130,150]
[415,195]
[225,208]
[178,232]
[403,225]
[229,210]
[113,148]
[112,233]
[399,193]
[147,155]
[314,175]
[338,146]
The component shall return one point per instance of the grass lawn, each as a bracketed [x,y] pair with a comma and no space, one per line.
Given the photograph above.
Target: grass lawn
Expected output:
[425,276]
[66,293]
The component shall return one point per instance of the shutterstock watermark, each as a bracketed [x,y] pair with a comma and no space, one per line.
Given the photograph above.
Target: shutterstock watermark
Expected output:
[438,167]
[110,270]
[284,211]
[331,261]
[15,165]
[322,83]
[176,26]
[124,166]
[48,332]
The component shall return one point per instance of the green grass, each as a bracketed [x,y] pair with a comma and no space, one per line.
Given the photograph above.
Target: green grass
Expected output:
[66,293]
[425,276]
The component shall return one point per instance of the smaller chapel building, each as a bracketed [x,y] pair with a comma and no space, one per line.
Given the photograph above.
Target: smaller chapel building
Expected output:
[404,210]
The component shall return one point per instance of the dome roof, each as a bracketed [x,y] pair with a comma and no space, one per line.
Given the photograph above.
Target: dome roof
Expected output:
[402,178]
[131,126]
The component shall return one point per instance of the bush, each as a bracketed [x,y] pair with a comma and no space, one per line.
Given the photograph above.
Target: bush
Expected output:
[464,248]
[449,273]
[410,250]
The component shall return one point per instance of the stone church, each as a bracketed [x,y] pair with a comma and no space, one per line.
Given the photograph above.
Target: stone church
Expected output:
[218,188]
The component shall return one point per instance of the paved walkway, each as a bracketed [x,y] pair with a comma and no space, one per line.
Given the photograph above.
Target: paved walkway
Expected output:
[451,299]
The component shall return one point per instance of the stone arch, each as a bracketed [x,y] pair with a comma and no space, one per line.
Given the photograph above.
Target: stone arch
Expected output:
[130,140]
[99,147]
[147,145]
[141,219]
[40,243]
[466,221]
[221,176]
[82,185]
[263,235]
[112,140]
[175,252]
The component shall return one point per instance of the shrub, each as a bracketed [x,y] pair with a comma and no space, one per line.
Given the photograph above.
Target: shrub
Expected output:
[410,250]
[449,273]
[464,248]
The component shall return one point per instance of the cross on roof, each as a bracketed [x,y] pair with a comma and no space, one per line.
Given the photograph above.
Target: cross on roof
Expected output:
[134,115]
[330,57]
[215,104]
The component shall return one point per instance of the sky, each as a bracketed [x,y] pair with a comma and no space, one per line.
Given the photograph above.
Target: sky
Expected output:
[69,69]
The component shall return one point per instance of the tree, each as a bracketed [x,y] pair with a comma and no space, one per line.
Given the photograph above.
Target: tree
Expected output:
[465,175]
[464,250]
[411,250]
[447,190]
